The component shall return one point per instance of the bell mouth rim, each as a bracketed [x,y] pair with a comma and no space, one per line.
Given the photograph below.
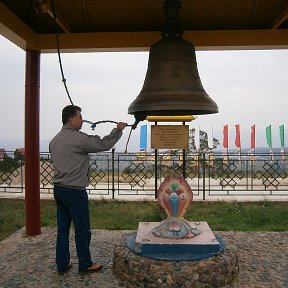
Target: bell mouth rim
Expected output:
[174,112]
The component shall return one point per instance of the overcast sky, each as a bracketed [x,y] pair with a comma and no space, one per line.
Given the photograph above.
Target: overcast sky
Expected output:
[250,87]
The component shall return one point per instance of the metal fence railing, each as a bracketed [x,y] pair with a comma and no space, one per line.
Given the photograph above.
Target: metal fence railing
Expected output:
[113,174]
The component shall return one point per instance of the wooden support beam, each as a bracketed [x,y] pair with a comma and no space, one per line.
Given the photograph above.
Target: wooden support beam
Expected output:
[280,20]
[22,35]
[15,30]
[46,7]
[142,41]
[60,21]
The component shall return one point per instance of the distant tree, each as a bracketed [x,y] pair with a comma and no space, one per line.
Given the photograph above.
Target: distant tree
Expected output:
[204,147]
[203,141]
[9,164]
[192,144]
[216,143]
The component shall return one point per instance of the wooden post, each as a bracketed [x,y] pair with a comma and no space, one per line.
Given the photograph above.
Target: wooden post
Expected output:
[32,166]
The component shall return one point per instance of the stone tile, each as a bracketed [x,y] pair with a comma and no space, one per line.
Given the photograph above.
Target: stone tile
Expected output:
[29,261]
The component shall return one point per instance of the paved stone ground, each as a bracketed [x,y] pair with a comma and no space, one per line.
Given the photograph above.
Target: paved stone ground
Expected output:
[29,261]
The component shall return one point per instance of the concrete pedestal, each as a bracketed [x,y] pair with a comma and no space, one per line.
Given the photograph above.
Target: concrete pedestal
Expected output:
[139,271]
[199,247]
[160,262]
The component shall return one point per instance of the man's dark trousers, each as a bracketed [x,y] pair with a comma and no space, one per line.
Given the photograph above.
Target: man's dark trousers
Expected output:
[72,204]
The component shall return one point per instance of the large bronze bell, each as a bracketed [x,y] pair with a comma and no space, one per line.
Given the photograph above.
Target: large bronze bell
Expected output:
[172,85]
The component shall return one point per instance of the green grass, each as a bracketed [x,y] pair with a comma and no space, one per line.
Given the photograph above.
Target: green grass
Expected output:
[11,216]
[122,215]
[241,216]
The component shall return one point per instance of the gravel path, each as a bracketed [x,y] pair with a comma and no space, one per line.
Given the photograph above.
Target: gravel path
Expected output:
[29,261]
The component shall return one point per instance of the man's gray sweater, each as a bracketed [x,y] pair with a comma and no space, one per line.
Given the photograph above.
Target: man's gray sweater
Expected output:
[69,152]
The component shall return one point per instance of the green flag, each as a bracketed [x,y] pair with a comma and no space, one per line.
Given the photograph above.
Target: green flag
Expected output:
[269,136]
[281,132]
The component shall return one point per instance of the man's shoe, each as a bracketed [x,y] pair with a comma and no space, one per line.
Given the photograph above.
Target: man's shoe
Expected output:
[93,268]
[66,269]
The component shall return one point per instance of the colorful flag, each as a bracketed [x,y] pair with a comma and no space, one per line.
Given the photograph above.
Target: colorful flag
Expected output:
[269,136]
[253,138]
[225,136]
[143,137]
[282,137]
[238,138]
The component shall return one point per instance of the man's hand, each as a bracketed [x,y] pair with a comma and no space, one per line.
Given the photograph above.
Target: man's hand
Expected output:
[121,125]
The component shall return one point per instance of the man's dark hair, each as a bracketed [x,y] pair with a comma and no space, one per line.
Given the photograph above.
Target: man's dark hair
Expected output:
[68,112]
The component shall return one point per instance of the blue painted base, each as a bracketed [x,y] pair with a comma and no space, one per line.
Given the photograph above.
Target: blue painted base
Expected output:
[175,252]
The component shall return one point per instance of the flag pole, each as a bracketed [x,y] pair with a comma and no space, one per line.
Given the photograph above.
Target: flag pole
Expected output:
[253,157]
[254,162]
[240,145]
[227,145]
[255,141]
[199,139]
[212,138]
[284,150]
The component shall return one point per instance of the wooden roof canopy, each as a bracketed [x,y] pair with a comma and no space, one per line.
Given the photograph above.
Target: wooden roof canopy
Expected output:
[134,25]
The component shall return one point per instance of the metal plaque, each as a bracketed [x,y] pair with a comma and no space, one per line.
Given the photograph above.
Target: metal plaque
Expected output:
[169,136]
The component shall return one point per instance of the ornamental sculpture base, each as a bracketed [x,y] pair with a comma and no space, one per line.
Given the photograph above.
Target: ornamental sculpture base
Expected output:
[137,270]
[146,244]
[174,252]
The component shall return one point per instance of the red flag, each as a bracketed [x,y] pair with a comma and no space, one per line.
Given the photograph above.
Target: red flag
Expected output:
[253,136]
[225,136]
[238,139]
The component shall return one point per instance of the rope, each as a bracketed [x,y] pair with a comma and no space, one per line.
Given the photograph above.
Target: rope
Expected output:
[59,55]
[128,139]
[93,124]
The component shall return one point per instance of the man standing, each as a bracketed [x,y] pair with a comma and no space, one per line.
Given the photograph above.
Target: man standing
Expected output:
[69,152]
